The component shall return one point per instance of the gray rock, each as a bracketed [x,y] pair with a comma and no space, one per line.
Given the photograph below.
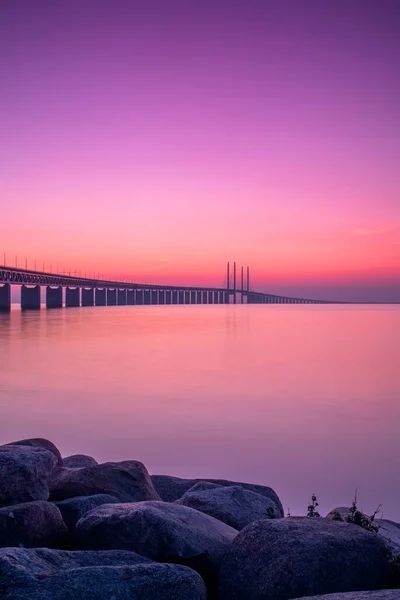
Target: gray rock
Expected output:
[73,509]
[389,531]
[77,461]
[32,524]
[172,488]
[25,472]
[40,443]
[232,505]
[22,566]
[161,531]
[281,559]
[140,582]
[376,595]
[60,575]
[128,481]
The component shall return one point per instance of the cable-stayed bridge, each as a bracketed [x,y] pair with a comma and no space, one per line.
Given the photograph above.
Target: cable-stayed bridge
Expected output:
[89,291]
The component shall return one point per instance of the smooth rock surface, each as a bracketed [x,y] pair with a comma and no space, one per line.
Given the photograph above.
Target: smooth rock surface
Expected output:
[39,443]
[232,505]
[376,595]
[128,481]
[45,574]
[32,525]
[73,509]
[282,559]
[161,531]
[389,531]
[77,461]
[172,488]
[140,582]
[25,472]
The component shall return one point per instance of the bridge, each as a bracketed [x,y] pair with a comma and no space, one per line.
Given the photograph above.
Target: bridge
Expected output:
[86,291]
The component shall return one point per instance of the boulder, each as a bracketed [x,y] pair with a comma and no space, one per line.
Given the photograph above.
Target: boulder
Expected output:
[44,574]
[161,531]
[73,509]
[128,481]
[172,488]
[281,559]
[32,524]
[138,582]
[376,595]
[232,505]
[40,443]
[23,566]
[25,472]
[389,531]
[77,461]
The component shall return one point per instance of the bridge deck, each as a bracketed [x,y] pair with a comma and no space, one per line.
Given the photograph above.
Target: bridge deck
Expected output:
[26,277]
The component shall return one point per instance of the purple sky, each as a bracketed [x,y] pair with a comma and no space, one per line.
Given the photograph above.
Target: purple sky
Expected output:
[158,139]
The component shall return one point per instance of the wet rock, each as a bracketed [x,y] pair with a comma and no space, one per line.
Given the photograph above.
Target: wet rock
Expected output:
[77,461]
[161,531]
[232,505]
[389,531]
[281,559]
[40,443]
[172,488]
[25,472]
[73,509]
[128,481]
[32,524]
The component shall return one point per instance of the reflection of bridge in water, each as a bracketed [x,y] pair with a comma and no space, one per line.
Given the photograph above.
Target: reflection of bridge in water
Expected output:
[84,291]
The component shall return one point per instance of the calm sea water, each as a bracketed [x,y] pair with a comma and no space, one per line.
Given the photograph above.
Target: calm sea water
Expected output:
[305,399]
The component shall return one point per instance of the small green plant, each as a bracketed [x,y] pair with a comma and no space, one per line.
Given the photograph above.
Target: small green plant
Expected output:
[312,507]
[356,517]
[270,512]
[288,513]
[336,516]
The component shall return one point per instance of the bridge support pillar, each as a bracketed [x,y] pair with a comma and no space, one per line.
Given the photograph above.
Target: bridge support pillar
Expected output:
[53,297]
[130,297]
[5,297]
[192,297]
[139,297]
[111,297]
[87,296]
[181,297]
[161,296]
[154,296]
[100,297]
[205,297]
[72,297]
[187,296]
[174,296]
[199,297]
[30,297]
[121,295]
[168,297]
[146,297]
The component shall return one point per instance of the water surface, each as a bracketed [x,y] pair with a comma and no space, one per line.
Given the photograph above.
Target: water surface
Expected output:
[302,398]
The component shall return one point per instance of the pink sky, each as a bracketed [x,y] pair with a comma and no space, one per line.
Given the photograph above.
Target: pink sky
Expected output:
[159,140]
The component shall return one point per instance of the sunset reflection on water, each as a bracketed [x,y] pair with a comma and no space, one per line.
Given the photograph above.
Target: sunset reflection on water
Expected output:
[302,398]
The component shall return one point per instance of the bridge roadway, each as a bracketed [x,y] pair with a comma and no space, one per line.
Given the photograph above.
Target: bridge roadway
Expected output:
[83,291]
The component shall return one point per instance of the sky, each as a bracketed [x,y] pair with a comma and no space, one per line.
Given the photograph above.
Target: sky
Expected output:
[155,140]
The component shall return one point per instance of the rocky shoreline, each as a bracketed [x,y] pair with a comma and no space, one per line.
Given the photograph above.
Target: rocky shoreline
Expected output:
[74,529]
